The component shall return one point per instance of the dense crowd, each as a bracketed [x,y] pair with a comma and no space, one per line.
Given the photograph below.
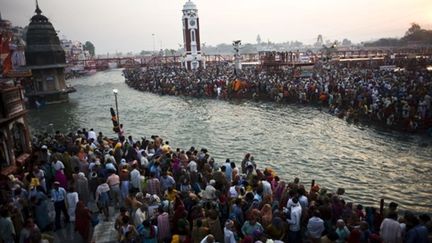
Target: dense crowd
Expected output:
[400,99]
[155,193]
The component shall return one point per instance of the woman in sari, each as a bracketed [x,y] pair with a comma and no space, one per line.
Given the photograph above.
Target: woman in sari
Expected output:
[266,215]
[82,221]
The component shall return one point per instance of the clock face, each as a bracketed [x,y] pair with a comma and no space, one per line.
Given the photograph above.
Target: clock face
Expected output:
[192,22]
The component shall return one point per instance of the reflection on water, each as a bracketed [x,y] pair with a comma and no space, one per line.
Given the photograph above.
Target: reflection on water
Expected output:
[294,140]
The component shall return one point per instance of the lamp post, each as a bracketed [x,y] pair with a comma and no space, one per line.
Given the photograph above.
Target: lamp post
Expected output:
[115,91]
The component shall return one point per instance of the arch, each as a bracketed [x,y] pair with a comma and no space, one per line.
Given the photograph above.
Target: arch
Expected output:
[18,138]
[193,36]
[4,156]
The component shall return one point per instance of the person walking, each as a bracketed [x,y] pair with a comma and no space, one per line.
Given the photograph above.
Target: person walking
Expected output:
[82,221]
[58,196]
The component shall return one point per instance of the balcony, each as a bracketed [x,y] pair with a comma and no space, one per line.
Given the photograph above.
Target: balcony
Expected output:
[12,103]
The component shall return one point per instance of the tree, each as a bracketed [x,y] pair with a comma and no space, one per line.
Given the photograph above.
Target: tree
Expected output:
[88,46]
[145,53]
[415,28]
[416,34]
[346,42]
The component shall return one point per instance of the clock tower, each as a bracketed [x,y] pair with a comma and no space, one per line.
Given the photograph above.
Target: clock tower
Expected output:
[192,57]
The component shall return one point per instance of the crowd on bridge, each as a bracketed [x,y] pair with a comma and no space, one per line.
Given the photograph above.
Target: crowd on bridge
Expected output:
[155,193]
[399,99]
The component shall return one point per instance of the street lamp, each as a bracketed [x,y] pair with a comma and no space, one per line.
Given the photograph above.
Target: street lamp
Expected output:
[115,91]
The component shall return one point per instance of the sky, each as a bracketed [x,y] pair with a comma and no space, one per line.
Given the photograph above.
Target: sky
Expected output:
[127,25]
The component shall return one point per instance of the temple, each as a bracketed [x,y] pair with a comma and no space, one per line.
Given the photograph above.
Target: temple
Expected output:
[46,58]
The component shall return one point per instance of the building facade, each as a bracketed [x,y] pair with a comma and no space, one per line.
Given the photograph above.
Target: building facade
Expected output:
[15,146]
[192,57]
[46,59]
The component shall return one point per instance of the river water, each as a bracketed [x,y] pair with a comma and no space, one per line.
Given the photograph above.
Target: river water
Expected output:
[296,141]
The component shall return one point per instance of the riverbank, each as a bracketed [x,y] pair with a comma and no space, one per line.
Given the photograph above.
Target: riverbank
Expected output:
[342,92]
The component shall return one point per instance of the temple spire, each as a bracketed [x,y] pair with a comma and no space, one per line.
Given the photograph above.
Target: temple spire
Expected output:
[38,11]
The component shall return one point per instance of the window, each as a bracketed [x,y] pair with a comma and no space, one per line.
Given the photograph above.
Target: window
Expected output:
[193,35]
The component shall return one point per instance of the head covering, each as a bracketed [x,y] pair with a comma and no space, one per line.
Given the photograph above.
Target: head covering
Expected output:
[93,175]
[34,182]
[156,198]
[212,182]
[12,177]
[56,183]
[44,147]
[229,223]
[81,174]
[175,239]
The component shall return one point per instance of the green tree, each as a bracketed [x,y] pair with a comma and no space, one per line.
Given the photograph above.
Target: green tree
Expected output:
[415,28]
[88,46]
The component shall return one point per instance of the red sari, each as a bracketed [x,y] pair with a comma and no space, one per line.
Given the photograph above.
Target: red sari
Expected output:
[82,221]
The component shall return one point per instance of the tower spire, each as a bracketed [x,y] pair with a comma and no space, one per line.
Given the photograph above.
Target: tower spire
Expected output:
[38,11]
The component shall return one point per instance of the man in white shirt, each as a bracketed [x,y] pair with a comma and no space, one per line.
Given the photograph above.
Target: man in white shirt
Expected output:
[135,177]
[193,166]
[390,230]
[294,234]
[228,232]
[58,196]
[267,190]
[315,227]
[92,134]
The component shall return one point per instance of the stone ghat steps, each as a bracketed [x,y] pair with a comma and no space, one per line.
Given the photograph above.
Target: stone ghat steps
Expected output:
[104,232]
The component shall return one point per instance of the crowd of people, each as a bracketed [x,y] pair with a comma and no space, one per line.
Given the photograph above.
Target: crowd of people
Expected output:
[399,98]
[155,193]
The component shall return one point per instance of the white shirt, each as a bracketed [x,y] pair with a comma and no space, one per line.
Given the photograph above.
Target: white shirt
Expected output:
[58,195]
[139,216]
[233,192]
[303,200]
[390,231]
[193,167]
[92,134]
[135,178]
[229,236]
[315,227]
[144,161]
[294,222]
[266,188]
[101,188]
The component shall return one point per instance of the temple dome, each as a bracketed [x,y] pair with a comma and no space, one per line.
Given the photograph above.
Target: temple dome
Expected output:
[43,45]
[189,5]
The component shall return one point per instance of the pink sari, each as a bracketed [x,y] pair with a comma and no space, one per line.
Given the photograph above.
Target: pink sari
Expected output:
[60,177]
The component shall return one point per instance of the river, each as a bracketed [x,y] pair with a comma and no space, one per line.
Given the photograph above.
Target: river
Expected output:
[296,141]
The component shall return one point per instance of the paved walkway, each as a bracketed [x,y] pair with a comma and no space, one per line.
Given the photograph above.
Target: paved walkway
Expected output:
[103,232]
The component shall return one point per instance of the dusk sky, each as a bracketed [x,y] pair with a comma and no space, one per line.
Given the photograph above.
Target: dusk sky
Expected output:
[127,25]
